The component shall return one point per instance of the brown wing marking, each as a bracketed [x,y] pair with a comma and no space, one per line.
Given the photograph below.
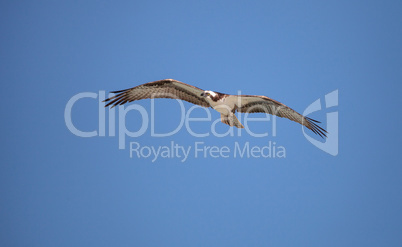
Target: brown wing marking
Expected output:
[167,88]
[263,104]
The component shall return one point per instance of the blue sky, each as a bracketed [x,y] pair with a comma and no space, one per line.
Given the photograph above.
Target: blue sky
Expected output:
[59,189]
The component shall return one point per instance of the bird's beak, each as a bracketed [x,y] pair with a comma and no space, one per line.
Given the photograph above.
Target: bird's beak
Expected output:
[202,94]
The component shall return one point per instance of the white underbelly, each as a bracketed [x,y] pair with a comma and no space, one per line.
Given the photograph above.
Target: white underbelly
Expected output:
[224,106]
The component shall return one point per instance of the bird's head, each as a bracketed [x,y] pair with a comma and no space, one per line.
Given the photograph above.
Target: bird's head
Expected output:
[208,94]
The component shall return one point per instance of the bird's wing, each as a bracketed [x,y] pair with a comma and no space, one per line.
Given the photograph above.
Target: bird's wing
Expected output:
[167,88]
[255,103]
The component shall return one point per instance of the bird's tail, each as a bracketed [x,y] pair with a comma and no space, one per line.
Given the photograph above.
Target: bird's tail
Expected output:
[231,120]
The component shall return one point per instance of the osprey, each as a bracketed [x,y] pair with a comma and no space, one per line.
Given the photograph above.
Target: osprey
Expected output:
[225,104]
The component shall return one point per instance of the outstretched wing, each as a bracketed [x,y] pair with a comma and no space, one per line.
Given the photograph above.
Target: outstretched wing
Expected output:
[167,88]
[255,103]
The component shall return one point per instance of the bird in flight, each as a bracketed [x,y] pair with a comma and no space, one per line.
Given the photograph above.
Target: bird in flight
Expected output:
[225,104]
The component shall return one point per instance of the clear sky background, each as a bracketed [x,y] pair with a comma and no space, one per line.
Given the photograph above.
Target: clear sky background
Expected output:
[58,189]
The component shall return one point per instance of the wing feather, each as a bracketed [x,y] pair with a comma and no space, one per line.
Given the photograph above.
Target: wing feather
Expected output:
[167,88]
[263,104]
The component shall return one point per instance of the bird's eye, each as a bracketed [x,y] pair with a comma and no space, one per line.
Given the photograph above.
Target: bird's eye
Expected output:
[208,94]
